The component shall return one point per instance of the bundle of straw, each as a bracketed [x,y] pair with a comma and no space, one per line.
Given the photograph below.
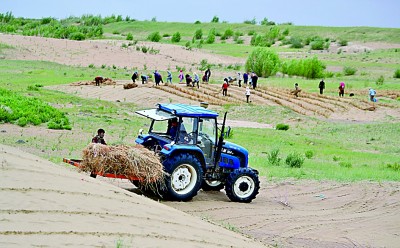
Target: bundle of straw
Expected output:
[130,161]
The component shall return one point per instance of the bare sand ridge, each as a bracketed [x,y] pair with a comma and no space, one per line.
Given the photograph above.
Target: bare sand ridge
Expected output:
[43,204]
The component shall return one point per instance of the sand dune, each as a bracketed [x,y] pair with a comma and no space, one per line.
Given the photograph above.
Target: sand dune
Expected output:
[43,204]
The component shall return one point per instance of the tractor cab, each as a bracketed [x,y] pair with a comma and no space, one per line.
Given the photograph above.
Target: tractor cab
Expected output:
[183,126]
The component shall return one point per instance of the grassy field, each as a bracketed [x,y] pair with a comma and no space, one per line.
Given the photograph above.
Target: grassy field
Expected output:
[339,151]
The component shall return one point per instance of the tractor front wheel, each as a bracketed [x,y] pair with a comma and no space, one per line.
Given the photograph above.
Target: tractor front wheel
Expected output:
[184,179]
[242,185]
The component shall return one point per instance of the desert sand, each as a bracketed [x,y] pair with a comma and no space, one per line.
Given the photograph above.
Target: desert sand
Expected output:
[47,205]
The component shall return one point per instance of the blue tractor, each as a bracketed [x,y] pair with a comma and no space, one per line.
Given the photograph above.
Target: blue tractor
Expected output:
[194,154]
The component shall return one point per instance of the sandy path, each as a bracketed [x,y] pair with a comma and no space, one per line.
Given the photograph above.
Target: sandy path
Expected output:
[42,204]
[310,214]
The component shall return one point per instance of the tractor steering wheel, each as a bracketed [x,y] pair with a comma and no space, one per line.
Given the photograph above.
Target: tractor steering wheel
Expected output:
[189,137]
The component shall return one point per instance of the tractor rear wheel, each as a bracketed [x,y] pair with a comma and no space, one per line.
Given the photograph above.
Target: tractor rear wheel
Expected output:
[185,177]
[242,185]
[212,185]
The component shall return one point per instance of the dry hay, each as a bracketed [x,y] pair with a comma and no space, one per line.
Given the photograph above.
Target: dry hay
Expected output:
[130,161]
[130,86]
[106,81]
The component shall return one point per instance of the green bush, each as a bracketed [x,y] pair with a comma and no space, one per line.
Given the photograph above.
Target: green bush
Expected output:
[309,68]
[343,43]
[397,74]
[380,80]
[176,37]
[296,42]
[198,34]
[154,37]
[294,160]
[309,154]
[215,19]
[77,36]
[263,62]
[22,110]
[32,88]
[348,71]
[129,36]
[345,164]
[282,126]
[395,166]
[273,157]
[317,45]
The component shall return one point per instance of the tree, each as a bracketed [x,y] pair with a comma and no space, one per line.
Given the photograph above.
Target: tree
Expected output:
[264,62]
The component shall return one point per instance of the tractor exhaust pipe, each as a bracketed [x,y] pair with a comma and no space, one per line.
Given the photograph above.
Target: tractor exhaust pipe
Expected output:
[220,142]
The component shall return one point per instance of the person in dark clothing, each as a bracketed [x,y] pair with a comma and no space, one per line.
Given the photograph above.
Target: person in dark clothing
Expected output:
[245,78]
[207,75]
[99,138]
[254,79]
[135,76]
[173,129]
[188,79]
[144,78]
[98,80]
[157,78]
[321,87]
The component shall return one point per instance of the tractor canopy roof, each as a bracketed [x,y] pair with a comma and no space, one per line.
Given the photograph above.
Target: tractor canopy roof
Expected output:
[169,111]
[185,110]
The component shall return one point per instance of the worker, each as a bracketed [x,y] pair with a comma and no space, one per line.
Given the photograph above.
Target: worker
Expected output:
[98,80]
[99,138]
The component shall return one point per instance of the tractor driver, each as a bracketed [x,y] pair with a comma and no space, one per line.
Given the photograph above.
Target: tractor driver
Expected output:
[173,128]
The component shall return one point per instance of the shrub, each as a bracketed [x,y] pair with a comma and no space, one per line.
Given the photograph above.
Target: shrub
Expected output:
[273,157]
[282,126]
[154,37]
[215,19]
[32,88]
[91,66]
[25,110]
[395,166]
[343,43]
[294,160]
[197,22]
[176,37]
[129,36]
[309,154]
[296,42]
[166,35]
[188,46]
[198,34]
[77,36]
[144,49]
[317,45]
[336,158]
[397,73]
[263,62]
[348,71]
[251,32]
[345,164]
[309,68]
[380,80]
[22,122]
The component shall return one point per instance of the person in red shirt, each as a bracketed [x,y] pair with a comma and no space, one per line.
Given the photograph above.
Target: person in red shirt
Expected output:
[225,86]
[99,138]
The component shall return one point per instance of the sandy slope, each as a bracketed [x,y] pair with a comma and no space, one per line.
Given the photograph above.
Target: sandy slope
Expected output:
[42,204]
